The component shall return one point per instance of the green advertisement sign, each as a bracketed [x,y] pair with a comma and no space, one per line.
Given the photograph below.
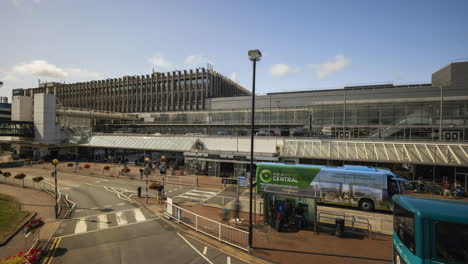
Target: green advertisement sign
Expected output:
[282,175]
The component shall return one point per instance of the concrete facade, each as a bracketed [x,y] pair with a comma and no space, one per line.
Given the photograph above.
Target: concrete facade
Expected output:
[158,92]
[22,108]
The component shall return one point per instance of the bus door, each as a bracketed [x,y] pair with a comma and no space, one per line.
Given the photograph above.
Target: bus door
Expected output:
[392,186]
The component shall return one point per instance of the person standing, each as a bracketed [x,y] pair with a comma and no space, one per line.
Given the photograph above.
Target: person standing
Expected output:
[447,190]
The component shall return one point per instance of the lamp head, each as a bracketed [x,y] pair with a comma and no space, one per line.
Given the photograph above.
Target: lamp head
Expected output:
[255,55]
[55,161]
[147,159]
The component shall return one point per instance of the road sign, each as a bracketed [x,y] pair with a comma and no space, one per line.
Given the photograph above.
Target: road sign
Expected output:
[229,181]
[242,181]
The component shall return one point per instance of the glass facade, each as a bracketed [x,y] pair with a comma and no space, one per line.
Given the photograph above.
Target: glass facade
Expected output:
[399,121]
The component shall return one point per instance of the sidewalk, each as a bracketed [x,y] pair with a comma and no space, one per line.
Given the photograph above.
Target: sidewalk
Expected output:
[33,201]
[303,246]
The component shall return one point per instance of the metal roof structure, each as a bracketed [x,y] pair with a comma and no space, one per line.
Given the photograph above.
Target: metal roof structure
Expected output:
[430,153]
[173,143]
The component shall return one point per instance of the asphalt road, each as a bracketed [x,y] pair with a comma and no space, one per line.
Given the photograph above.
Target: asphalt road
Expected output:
[107,227]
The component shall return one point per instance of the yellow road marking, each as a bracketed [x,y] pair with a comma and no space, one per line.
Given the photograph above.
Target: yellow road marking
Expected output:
[52,250]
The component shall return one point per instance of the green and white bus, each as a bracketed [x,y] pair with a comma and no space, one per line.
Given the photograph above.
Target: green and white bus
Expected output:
[357,186]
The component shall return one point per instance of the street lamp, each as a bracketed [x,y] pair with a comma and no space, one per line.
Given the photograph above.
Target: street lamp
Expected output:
[147,160]
[56,162]
[254,56]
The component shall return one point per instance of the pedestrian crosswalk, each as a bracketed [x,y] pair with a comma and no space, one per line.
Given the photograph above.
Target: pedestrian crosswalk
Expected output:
[197,195]
[105,221]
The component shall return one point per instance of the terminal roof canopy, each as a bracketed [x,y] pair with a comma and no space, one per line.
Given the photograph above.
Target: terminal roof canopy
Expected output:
[178,144]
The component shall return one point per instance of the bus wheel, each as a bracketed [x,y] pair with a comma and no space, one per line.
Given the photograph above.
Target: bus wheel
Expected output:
[366,205]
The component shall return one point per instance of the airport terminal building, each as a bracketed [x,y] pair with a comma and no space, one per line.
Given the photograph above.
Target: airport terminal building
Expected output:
[423,124]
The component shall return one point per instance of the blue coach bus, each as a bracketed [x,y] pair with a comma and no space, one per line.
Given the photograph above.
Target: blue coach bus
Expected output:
[429,230]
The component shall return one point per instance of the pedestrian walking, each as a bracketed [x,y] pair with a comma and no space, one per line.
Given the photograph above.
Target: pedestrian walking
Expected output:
[141,173]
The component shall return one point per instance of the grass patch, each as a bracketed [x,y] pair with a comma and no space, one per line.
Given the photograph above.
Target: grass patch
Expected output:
[10,216]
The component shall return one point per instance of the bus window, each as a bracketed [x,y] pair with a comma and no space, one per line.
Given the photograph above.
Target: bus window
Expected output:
[403,226]
[451,242]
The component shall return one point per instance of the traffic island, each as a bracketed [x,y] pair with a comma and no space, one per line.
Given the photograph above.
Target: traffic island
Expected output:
[12,219]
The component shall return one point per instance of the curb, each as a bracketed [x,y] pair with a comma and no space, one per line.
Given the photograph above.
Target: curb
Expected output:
[226,249]
[3,243]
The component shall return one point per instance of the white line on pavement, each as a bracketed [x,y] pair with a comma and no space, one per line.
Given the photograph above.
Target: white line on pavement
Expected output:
[121,204]
[107,206]
[196,250]
[228,260]
[139,215]
[102,221]
[80,226]
[121,219]
[112,227]
[204,250]
[94,208]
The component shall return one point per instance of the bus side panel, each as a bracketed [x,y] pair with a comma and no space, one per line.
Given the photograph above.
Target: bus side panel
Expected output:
[347,187]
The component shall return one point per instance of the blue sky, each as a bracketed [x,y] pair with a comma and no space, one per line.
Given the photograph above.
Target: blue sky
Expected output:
[306,44]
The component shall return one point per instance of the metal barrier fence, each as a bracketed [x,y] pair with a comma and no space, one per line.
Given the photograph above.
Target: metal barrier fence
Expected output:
[221,232]
[352,221]
[65,205]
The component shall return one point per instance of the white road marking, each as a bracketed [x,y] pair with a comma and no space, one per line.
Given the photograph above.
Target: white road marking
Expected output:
[112,227]
[121,219]
[228,260]
[102,221]
[196,250]
[94,208]
[80,226]
[107,206]
[204,250]
[68,188]
[121,204]
[213,193]
[79,210]
[139,216]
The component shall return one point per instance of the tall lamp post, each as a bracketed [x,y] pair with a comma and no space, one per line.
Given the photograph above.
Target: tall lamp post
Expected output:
[254,56]
[56,162]
[147,160]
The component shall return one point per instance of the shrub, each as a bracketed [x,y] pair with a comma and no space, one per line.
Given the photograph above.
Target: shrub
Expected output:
[86,166]
[38,179]
[69,164]
[7,174]
[40,161]
[33,225]
[106,167]
[126,170]
[20,176]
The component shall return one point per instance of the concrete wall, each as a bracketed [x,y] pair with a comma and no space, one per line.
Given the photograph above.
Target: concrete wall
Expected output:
[22,108]
[44,119]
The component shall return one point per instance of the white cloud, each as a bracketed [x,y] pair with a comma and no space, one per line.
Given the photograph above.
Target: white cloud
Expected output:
[338,63]
[82,75]
[196,60]
[280,70]
[234,76]
[160,62]
[19,3]
[40,68]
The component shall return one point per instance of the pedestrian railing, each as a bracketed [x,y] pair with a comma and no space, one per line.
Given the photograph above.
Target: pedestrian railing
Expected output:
[351,221]
[219,231]
[65,205]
